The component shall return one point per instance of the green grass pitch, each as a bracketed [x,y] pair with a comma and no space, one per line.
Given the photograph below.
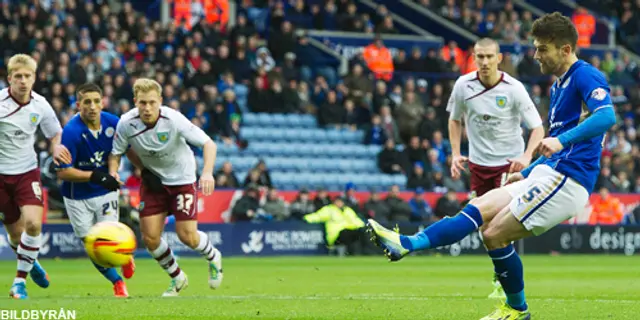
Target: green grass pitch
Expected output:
[426,287]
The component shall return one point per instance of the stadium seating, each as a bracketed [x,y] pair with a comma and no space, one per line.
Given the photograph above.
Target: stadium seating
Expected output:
[299,154]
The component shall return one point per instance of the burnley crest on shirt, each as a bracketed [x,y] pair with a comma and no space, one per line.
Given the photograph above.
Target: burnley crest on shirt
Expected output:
[163,136]
[34,118]
[501,101]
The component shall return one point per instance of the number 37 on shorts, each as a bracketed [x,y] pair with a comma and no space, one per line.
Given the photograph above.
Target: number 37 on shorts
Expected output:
[180,201]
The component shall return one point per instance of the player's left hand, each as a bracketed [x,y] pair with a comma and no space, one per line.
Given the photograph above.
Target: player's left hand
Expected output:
[207,183]
[519,163]
[549,146]
[61,155]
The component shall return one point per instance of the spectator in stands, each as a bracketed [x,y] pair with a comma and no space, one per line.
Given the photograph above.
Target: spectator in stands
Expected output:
[606,209]
[389,124]
[438,182]
[442,145]
[275,206]
[408,115]
[454,184]
[342,224]
[264,60]
[433,161]
[390,160]
[429,125]
[302,205]
[400,210]
[226,177]
[134,180]
[380,97]
[379,59]
[331,113]
[386,26]
[282,41]
[351,119]
[413,153]
[374,133]
[322,199]
[448,205]
[420,209]
[376,208]
[418,178]
[247,208]
[350,198]
[357,86]
[585,24]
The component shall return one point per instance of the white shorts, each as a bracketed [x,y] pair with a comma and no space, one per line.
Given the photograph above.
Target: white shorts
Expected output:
[83,214]
[545,199]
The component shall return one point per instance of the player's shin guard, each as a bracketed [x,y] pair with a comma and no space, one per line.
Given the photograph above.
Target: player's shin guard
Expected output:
[27,254]
[508,267]
[205,247]
[166,259]
[445,231]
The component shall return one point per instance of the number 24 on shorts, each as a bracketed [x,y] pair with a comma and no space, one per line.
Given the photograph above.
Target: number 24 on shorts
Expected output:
[111,206]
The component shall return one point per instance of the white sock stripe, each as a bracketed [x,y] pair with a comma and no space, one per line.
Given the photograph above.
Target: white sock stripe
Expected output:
[466,215]
[513,250]
[160,250]
[30,241]
[172,268]
[204,240]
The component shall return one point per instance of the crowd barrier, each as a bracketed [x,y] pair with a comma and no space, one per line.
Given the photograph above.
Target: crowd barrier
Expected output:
[302,239]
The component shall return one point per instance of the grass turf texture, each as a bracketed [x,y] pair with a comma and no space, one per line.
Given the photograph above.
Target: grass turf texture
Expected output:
[560,287]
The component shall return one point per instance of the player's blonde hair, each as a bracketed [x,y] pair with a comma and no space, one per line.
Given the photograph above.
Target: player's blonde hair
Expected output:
[21,60]
[144,85]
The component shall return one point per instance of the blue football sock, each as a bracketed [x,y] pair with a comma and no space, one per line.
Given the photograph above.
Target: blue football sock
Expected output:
[446,231]
[508,267]
[110,273]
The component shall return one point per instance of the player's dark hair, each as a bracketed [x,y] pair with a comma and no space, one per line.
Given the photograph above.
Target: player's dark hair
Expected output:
[88,87]
[555,28]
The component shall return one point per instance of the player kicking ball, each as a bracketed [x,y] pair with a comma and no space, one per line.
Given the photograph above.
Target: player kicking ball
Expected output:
[160,136]
[493,105]
[22,111]
[90,194]
[551,190]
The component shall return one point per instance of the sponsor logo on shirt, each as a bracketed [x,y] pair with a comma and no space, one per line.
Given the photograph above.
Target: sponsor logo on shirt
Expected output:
[599,94]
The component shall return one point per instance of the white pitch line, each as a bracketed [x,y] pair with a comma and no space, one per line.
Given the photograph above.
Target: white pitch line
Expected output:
[372,297]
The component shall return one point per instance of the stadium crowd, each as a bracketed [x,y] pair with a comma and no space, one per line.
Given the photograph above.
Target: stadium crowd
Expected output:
[214,74]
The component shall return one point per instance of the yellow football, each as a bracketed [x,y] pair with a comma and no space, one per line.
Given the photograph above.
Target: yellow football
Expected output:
[110,244]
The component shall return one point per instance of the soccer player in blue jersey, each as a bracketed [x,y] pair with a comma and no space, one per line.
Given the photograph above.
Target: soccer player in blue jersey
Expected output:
[551,190]
[90,193]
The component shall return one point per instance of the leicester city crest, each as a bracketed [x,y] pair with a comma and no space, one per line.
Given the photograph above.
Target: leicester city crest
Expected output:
[501,101]
[163,136]
[34,118]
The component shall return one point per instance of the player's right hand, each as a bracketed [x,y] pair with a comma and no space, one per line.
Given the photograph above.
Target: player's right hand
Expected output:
[514,177]
[105,180]
[61,155]
[457,166]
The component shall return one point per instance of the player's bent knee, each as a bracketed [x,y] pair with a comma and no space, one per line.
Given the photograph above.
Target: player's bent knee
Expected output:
[151,242]
[189,237]
[33,228]
[493,239]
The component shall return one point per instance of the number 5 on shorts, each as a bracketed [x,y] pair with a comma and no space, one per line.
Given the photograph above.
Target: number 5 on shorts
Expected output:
[184,202]
[531,194]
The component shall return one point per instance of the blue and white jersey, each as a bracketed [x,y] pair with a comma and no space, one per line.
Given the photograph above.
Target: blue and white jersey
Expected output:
[581,91]
[90,151]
